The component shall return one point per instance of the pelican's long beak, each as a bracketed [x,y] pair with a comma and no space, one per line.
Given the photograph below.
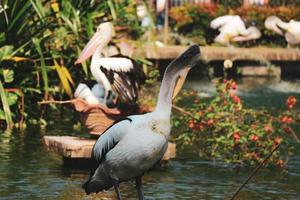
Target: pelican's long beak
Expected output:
[90,48]
[180,81]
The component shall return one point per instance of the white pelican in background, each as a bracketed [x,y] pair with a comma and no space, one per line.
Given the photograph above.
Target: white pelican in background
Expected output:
[132,146]
[143,15]
[117,74]
[232,29]
[93,93]
[291,29]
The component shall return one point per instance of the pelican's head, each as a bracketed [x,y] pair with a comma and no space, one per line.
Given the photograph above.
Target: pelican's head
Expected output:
[180,67]
[174,78]
[104,33]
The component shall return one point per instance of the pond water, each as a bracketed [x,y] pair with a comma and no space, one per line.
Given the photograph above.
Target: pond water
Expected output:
[27,171]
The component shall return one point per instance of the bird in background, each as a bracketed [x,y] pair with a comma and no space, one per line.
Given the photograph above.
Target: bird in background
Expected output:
[120,75]
[93,93]
[233,29]
[134,145]
[290,30]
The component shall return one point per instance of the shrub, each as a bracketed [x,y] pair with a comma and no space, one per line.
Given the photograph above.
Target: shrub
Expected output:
[225,131]
[193,20]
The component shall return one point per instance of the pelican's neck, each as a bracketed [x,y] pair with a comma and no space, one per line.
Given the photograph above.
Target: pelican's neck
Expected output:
[164,102]
[105,39]
[97,54]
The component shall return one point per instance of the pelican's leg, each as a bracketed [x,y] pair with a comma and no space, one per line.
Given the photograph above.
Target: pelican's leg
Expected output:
[139,189]
[116,185]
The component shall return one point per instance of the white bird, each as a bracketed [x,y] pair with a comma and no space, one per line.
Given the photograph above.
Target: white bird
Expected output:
[232,29]
[291,29]
[92,92]
[117,74]
[92,95]
[133,146]
[143,15]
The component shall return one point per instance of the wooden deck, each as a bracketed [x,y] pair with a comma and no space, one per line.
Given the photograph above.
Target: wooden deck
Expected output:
[71,147]
[210,53]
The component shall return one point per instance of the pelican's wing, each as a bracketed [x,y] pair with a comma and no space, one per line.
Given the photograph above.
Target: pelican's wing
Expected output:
[220,21]
[109,139]
[116,64]
[125,83]
[252,33]
[275,24]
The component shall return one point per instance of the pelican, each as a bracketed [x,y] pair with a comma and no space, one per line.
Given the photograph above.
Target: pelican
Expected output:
[93,93]
[116,74]
[291,29]
[233,29]
[132,146]
[143,15]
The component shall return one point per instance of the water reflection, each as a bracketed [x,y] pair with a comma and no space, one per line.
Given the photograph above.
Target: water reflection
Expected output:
[255,91]
[27,171]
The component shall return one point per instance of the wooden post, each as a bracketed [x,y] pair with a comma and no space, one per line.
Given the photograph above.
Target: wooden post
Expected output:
[166,23]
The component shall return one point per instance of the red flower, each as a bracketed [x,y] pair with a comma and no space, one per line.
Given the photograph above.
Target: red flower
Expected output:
[209,109]
[291,102]
[233,85]
[225,102]
[277,140]
[236,136]
[268,129]
[254,138]
[210,122]
[286,120]
[236,99]
[191,124]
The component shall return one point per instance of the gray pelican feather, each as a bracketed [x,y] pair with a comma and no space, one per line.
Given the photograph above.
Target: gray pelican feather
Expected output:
[132,146]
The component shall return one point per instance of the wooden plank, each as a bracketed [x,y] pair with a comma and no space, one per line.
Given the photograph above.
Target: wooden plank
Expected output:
[210,53]
[76,147]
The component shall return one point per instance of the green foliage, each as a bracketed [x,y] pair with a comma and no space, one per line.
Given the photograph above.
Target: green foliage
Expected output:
[193,20]
[39,42]
[284,3]
[225,131]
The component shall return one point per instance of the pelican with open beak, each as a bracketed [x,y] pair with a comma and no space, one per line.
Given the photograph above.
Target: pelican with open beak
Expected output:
[134,145]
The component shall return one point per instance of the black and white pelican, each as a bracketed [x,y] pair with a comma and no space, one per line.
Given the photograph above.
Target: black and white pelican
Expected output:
[117,74]
[233,29]
[132,146]
[290,30]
